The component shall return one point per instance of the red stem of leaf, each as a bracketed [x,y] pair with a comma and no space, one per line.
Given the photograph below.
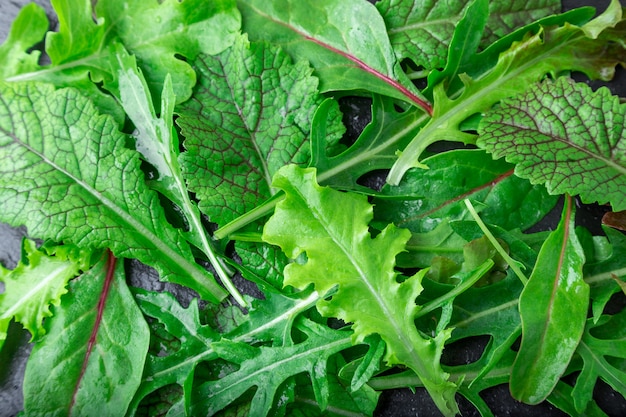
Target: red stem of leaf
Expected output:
[110,270]
[412,97]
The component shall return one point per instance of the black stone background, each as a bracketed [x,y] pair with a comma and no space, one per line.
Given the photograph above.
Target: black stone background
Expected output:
[393,403]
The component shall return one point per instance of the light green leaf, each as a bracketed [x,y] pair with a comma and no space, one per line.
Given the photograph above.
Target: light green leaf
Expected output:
[96,343]
[37,282]
[164,35]
[330,228]
[549,50]
[553,308]
[566,136]
[27,30]
[67,176]
[345,41]
[266,368]
[249,116]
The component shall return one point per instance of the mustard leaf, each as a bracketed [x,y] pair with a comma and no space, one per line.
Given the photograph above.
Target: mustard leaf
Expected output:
[67,176]
[96,342]
[330,229]
[34,285]
[566,136]
[258,117]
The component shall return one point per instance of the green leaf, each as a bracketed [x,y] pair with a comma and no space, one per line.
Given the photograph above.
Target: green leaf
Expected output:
[243,123]
[27,30]
[421,30]
[426,198]
[566,136]
[331,229]
[37,282]
[345,41]
[553,307]
[177,32]
[96,343]
[602,349]
[266,368]
[67,176]
[551,50]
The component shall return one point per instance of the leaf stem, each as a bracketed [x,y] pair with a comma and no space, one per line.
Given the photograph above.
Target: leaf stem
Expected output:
[512,263]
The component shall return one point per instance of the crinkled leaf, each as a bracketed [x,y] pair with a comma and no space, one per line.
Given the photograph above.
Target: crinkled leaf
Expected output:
[35,284]
[331,229]
[164,35]
[566,136]
[603,350]
[551,50]
[553,308]
[426,198]
[345,40]
[266,368]
[67,176]
[28,29]
[250,115]
[422,29]
[96,343]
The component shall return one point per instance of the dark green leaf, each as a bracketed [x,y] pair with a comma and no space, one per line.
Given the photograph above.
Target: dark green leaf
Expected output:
[553,308]
[96,343]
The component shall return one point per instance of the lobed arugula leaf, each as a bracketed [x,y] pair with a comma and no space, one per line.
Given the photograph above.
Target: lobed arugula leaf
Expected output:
[96,342]
[566,136]
[315,222]
[35,284]
[67,176]
[551,50]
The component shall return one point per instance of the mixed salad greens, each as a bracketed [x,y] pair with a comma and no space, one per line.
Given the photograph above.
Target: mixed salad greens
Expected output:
[205,139]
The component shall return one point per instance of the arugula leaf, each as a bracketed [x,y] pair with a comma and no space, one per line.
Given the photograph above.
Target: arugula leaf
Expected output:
[553,308]
[551,50]
[37,282]
[564,135]
[258,116]
[28,28]
[314,31]
[602,349]
[67,176]
[318,222]
[96,343]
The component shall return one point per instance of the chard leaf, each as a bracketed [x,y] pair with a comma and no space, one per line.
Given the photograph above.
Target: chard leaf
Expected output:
[37,282]
[96,343]
[331,229]
[28,29]
[550,50]
[566,136]
[266,368]
[602,349]
[426,198]
[243,123]
[67,176]
[422,29]
[164,35]
[553,308]
[346,42]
